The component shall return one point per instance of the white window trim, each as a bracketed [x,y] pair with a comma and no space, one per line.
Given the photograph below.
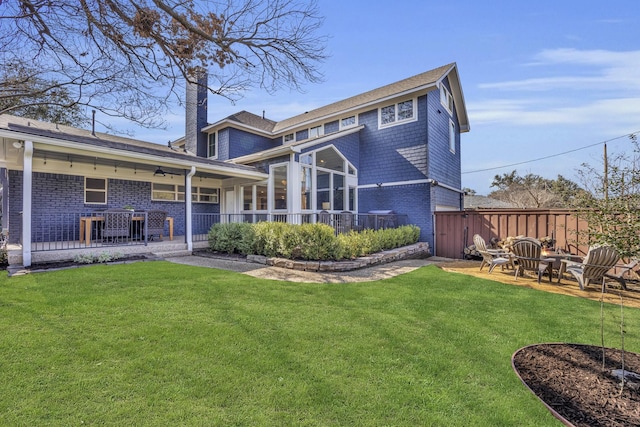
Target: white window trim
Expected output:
[215,134]
[355,123]
[446,98]
[176,193]
[452,136]
[350,181]
[195,190]
[397,122]
[320,131]
[105,191]
[291,140]
[271,188]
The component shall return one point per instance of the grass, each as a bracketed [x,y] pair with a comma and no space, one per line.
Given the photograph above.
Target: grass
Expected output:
[157,344]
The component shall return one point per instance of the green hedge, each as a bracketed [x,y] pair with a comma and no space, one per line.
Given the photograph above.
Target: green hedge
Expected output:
[306,241]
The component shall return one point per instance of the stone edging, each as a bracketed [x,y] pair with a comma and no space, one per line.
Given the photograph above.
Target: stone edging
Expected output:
[417,250]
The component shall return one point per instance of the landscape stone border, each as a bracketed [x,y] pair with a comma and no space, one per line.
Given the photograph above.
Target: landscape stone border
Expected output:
[417,250]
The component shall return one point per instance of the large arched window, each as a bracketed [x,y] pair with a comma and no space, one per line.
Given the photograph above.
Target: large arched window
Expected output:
[328,181]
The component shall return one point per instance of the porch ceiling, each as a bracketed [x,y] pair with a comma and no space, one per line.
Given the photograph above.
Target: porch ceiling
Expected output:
[139,166]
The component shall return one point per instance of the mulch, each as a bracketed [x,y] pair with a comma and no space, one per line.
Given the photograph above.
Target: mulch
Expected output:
[578,388]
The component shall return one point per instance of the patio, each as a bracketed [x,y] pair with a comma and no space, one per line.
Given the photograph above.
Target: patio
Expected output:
[567,286]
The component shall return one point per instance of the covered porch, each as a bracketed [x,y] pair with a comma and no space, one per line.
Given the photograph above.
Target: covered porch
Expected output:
[59,184]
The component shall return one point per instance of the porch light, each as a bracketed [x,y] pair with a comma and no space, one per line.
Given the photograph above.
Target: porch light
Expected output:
[17,144]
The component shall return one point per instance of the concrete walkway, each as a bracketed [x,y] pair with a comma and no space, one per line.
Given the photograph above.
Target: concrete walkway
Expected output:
[376,272]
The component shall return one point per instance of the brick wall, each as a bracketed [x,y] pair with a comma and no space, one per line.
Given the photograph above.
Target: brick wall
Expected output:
[410,200]
[56,194]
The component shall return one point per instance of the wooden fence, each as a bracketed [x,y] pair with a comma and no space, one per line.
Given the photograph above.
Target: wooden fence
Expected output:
[454,230]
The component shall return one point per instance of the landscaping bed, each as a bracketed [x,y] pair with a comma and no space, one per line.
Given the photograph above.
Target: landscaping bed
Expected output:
[575,386]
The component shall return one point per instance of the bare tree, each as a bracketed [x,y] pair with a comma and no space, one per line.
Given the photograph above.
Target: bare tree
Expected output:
[129,58]
[611,204]
[534,191]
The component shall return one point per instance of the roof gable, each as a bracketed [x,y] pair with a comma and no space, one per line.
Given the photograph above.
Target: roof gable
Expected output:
[429,80]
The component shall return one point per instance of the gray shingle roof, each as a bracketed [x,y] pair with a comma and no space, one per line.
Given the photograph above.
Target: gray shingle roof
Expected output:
[105,140]
[252,120]
[421,80]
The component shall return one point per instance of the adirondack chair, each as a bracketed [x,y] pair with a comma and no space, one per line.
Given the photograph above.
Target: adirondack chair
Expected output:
[599,260]
[620,272]
[491,257]
[527,253]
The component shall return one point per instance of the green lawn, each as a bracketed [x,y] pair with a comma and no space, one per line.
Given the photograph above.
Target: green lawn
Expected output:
[163,344]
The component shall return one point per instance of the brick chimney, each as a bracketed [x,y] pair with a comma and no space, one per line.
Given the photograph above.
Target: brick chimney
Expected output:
[196,116]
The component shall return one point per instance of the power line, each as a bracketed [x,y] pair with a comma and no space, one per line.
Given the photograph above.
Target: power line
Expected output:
[551,155]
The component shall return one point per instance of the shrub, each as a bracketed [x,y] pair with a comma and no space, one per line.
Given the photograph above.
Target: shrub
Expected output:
[102,257]
[306,241]
[317,242]
[234,237]
[268,238]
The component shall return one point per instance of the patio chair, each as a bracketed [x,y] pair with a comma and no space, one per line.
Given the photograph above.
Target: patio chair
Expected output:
[117,224]
[527,253]
[155,223]
[491,257]
[620,272]
[599,260]
[324,217]
[344,221]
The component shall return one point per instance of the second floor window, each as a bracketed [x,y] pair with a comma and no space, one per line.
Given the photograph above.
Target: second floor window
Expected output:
[315,132]
[446,99]
[212,147]
[397,113]
[347,122]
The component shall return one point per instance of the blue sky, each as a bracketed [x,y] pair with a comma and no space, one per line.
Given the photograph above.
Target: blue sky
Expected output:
[539,78]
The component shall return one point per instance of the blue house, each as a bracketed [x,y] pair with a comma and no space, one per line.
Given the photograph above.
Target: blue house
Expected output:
[390,155]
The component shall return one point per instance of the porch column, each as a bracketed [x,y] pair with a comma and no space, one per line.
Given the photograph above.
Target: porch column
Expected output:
[188,227]
[27,182]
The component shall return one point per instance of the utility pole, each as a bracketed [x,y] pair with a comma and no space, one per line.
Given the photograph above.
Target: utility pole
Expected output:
[606,174]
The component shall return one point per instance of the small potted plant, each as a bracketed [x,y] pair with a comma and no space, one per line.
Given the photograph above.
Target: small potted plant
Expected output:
[128,207]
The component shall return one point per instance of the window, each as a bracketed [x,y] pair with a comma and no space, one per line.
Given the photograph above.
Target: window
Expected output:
[257,201]
[401,112]
[212,147]
[452,136]
[290,137]
[167,192]
[95,191]
[205,195]
[446,99]
[331,178]
[347,122]
[305,187]
[315,132]
[279,187]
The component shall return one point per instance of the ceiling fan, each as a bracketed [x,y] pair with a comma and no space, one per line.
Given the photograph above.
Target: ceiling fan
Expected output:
[160,172]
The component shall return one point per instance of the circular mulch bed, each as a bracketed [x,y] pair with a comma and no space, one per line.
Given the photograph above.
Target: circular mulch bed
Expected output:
[571,381]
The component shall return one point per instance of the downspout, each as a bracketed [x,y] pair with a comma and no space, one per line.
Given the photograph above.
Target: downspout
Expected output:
[27,184]
[188,228]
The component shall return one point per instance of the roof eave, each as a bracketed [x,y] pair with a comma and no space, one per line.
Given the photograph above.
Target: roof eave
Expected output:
[143,158]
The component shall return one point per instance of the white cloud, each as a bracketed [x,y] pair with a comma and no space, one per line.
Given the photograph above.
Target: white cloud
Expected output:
[613,111]
[589,70]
